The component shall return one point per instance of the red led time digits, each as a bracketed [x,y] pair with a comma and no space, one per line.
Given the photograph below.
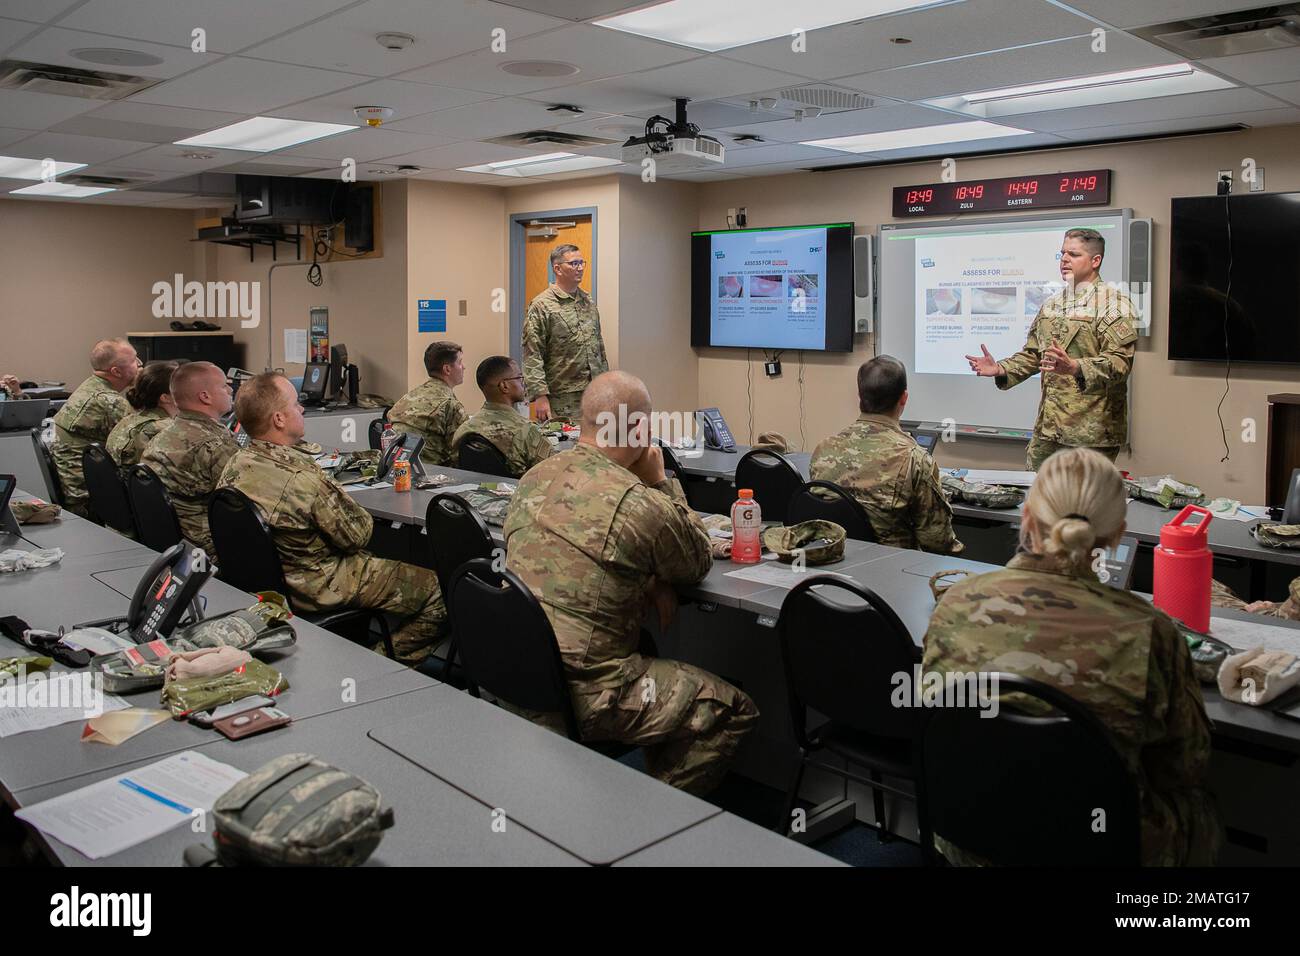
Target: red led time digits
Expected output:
[969,192]
[1025,187]
[920,195]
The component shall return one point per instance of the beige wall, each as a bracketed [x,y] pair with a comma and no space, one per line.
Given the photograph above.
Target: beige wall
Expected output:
[655,288]
[1174,428]
[365,298]
[71,274]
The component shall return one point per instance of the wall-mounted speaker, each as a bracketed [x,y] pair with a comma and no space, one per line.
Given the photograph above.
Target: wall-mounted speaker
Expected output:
[1138,273]
[864,288]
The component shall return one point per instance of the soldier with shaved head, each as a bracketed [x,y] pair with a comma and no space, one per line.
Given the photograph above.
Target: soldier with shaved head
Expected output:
[594,532]
[190,452]
[90,414]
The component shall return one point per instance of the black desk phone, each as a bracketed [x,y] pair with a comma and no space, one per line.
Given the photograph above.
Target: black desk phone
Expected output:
[169,588]
[716,433]
[406,447]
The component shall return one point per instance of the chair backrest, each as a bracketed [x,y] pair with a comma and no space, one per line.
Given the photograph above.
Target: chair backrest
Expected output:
[375,432]
[107,490]
[842,646]
[773,479]
[456,534]
[1022,790]
[246,553]
[506,643]
[670,461]
[827,500]
[45,462]
[155,518]
[476,453]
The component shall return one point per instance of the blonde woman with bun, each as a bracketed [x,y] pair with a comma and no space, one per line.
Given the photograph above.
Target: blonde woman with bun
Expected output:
[1046,616]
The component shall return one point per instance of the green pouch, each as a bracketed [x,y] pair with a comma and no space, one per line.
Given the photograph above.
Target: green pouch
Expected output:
[10,666]
[978,493]
[263,627]
[183,697]
[1277,535]
[1164,490]
[490,504]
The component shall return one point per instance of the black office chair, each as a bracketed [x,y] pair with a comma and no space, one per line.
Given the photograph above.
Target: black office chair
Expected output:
[248,559]
[773,480]
[476,453]
[827,500]
[673,464]
[107,491]
[840,660]
[508,648]
[457,534]
[375,432]
[45,461]
[1021,790]
[155,518]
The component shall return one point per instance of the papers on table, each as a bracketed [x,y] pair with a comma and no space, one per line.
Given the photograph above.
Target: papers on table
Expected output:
[115,814]
[48,700]
[329,461]
[1018,479]
[778,575]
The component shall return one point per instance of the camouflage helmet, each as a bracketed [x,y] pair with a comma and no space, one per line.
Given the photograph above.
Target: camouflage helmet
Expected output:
[786,543]
[978,493]
[34,511]
[298,810]
[1277,535]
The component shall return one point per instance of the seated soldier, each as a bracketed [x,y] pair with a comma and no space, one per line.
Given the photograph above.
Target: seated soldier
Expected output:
[11,388]
[432,409]
[896,481]
[320,532]
[190,452]
[520,440]
[1046,616]
[90,414]
[151,398]
[594,531]
[1288,610]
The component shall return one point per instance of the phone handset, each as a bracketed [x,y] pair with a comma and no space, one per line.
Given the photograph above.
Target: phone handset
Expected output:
[407,446]
[164,560]
[716,433]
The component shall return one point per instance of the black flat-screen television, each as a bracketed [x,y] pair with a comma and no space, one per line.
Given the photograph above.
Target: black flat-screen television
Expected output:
[783,288]
[1234,278]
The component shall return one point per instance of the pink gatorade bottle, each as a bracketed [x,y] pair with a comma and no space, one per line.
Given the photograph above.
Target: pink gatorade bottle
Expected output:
[1182,571]
[746,528]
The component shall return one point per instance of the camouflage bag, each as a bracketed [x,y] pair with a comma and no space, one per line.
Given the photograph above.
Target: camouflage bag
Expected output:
[490,503]
[263,627]
[296,810]
[184,697]
[826,537]
[1164,490]
[1277,535]
[34,511]
[978,493]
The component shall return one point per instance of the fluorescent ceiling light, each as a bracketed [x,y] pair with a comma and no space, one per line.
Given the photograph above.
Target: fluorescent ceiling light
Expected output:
[918,136]
[721,24]
[261,134]
[541,165]
[1083,83]
[11,167]
[62,190]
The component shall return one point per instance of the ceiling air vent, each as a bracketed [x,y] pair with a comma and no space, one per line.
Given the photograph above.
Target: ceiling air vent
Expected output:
[112,182]
[70,81]
[550,137]
[825,98]
[1274,27]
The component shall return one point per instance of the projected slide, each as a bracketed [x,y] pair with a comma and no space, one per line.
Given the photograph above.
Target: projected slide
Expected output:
[769,287]
[969,291]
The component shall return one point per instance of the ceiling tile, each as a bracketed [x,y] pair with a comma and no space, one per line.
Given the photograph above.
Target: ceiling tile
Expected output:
[465,154]
[578,9]
[346,41]
[456,176]
[1251,118]
[1275,66]
[1286,91]
[38,11]
[1189,106]
[405,99]
[367,144]
[171,159]
[231,25]
[8,136]
[778,153]
[1126,13]
[76,149]
[22,110]
[974,26]
[596,52]
[92,125]
[242,85]
[12,31]
[130,197]
[54,45]
[851,122]
[182,119]
[262,167]
[482,120]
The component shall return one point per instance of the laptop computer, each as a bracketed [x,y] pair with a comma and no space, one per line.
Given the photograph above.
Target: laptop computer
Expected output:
[23,414]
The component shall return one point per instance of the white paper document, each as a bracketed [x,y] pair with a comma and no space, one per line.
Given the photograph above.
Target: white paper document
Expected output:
[1244,635]
[48,700]
[1019,479]
[123,811]
[295,345]
[779,575]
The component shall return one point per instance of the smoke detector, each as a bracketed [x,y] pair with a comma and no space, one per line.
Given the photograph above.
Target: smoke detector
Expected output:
[373,115]
[394,41]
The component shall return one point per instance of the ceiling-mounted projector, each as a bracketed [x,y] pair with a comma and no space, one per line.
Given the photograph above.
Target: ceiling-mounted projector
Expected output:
[678,145]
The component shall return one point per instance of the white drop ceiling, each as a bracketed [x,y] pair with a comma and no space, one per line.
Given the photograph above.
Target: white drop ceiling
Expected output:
[318,59]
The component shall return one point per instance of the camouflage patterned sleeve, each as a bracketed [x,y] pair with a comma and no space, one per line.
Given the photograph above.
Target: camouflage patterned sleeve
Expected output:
[1024,363]
[679,545]
[210,459]
[1118,338]
[1178,758]
[342,521]
[536,447]
[535,329]
[453,416]
[931,513]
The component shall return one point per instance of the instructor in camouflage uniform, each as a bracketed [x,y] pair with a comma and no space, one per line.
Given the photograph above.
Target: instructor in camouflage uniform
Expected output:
[894,478]
[432,410]
[1082,341]
[519,440]
[89,416]
[192,450]
[320,532]
[563,350]
[593,532]
[1048,617]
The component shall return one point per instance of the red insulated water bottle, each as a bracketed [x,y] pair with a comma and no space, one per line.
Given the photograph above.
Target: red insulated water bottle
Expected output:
[1183,566]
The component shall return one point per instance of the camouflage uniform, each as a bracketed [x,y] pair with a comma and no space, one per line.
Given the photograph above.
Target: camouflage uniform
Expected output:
[127,441]
[563,350]
[1112,651]
[1095,326]
[433,411]
[188,456]
[520,440]
[896,481]
[1289,610]
[588,537]
[87,418]
[321,534]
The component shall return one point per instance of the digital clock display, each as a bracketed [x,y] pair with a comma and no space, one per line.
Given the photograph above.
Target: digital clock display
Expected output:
[1047,191]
